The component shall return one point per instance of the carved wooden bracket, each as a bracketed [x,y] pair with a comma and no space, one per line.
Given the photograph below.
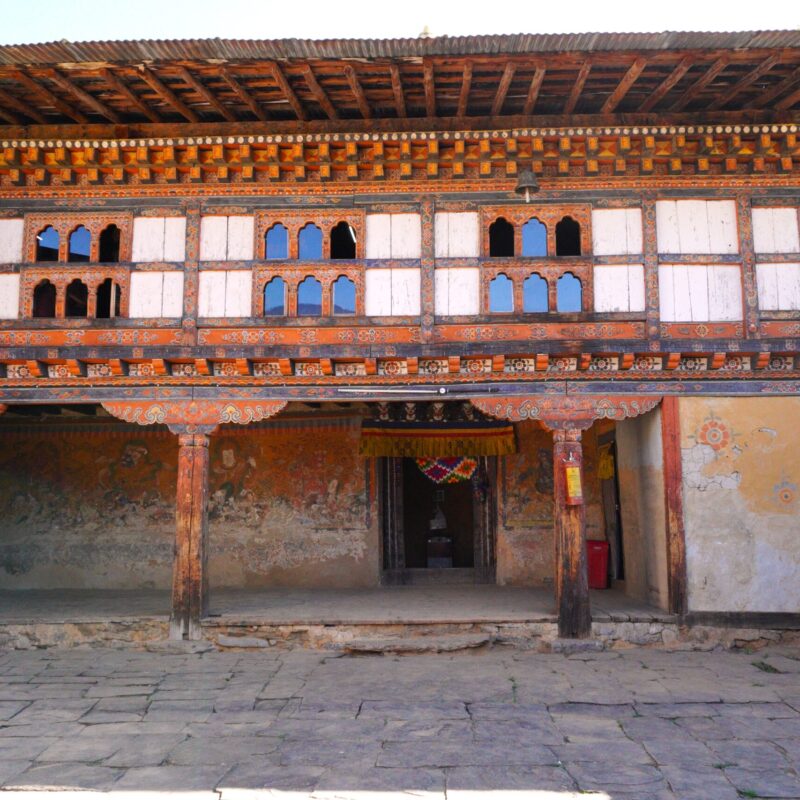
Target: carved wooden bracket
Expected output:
[193,416]
[565,412]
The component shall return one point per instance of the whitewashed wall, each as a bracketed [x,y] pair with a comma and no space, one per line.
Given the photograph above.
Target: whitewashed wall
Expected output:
[159,239]
[617,231]
[9,296]
[697,226]
[775,230]
[394,236]
[619,287]
[700,292]
[457,291]
[11,231]
[156,294]
[778,287]
[392,292]
[225,293]
[457,235]
[226,238]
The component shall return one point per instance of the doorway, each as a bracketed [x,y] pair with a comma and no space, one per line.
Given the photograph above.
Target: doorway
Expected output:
[437,533]
[609,492]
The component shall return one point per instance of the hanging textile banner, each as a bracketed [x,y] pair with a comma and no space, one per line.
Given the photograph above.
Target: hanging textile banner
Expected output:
[448,470]
[436,439]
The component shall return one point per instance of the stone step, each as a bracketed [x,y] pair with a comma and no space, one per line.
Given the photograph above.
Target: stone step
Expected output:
[447,643]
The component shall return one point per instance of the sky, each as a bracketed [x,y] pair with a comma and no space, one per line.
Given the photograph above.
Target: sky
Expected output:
[26,21]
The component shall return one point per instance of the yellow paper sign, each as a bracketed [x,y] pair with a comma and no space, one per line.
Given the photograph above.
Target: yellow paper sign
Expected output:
[574,488]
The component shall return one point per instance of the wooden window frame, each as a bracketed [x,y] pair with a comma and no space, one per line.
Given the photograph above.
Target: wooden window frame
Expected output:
[62,276]
[325,219]
[64,224]
[294,275]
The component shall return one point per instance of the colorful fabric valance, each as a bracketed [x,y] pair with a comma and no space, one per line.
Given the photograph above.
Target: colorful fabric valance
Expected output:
[437,439]
[450,469]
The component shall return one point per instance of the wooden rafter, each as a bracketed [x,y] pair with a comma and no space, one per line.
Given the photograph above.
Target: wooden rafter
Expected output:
[286,89]
[9,101]
[765,66]
[319,93]
[34,87]
[204,92]
[533,91]
[63,82]
[397,91]
[577,88]
[683,66]
[428,81]
[10,117]
[463,96]
[166,94]
[615,98]
[236,87]
[788,101]
[707,77]
[502,88]
[776,91]
[358,92]
[118,86]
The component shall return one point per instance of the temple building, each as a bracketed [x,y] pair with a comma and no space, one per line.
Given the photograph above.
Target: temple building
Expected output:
[501,317]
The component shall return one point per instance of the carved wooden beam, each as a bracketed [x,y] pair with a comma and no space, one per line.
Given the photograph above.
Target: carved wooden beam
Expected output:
[577,88]
[9,101]
[243,95]
[288,92]
[683,66]
[533,91]
[34,87]
[615,98]
[502,88]
[715,69]
[193,416]
[63,82]
[121,88]
[358,92]
[206,94]
[319,93]
[563,412]
[463,96]
[765,66]
[787,83]
[428,82]
[166,94]
[397,90]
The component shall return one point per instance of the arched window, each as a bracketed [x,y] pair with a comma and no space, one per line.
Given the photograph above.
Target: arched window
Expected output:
[109,245]
[568,293]
[275,298]
[309,242]
[534,293]
[501,294]
[276,242]
[109,296]
[47,244]
[344,296]
[44,299]
[343,241]
[309,297]
[501,238]
[77,299]
[568,238]
[534,238]
[79,243]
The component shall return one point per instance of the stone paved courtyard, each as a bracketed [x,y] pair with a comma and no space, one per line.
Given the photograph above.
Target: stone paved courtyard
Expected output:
[637,723]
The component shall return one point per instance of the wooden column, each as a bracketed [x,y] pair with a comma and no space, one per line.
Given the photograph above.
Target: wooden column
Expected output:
[190,573]
[673,501]
[571,580]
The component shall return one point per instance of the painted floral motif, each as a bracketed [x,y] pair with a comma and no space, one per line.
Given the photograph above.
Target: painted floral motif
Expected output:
[785,492]
[714,433]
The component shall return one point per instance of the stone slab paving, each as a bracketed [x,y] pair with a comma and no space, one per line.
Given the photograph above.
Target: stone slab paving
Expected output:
[499,723]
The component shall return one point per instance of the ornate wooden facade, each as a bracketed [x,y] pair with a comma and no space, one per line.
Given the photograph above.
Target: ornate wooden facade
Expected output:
[336,132]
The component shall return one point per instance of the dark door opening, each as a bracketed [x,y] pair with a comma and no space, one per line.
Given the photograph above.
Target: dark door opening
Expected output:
[609,490]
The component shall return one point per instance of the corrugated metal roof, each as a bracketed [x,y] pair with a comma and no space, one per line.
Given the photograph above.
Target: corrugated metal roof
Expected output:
[511,44]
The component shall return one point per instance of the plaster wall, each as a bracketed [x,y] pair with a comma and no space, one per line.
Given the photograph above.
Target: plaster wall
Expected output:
[525,543]
[741,490]
[640,473]
[291,503]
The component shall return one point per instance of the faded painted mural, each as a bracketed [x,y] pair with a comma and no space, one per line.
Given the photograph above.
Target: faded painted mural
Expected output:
[94,506]
[525,544]
[741,483]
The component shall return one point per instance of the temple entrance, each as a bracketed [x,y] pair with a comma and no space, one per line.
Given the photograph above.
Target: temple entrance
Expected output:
[437,532]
